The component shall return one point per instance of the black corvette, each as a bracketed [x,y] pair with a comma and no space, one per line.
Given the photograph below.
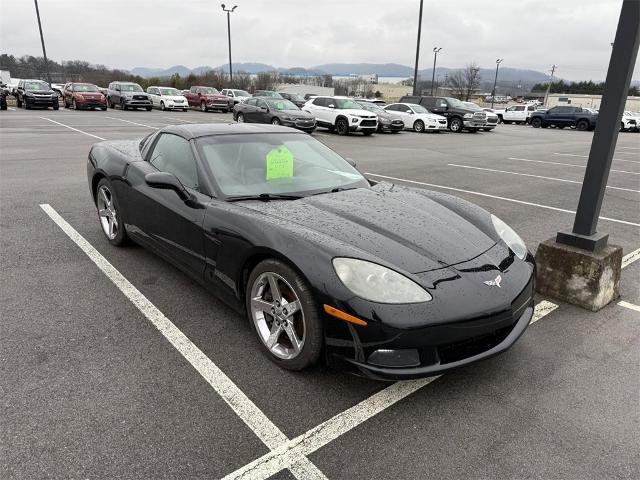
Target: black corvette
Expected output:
[386,281]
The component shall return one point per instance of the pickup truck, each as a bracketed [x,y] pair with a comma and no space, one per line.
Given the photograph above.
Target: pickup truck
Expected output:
[208,98]
[515,113]
[565,116]
[459,116]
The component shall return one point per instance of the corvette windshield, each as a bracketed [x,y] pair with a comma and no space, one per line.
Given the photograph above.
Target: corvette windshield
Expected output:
[282,105]
[276,164]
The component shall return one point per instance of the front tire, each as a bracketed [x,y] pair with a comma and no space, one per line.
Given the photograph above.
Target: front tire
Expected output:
[284,314]
[240,118]
[276,121]
[536,122]
[74,104]
[342,126]
[109,214]
[203,106]
[418,126]
[582,125]
[162,107]
[456,125]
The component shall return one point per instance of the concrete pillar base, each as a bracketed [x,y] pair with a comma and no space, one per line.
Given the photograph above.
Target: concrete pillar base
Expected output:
[587,279]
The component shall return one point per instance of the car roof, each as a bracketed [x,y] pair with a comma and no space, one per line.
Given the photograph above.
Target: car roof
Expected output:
[198,130]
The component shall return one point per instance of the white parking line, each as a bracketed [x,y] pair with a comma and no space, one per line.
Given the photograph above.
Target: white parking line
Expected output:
[180,119]
[566,164]
[11,108]
[630,306]
[74,129]
[513,200]
[542,309]
[630,258]
[587,156]
[630,148]
[537,176]
[250,414]
[133,123]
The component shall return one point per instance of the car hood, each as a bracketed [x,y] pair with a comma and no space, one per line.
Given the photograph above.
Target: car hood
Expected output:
[40,92]
[173,97]
[357,112]
[388,116]
[213,95]
[400,226]
[295,113]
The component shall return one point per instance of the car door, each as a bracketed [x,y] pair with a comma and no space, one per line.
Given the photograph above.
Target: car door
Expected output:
[260,113]
[67,94]
[155,97]
[509,114]
[554,116]
[404,112]
[440,107]
[167,223]
[248,109]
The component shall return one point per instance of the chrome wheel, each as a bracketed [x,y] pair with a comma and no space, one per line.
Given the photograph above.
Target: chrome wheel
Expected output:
[240,118]
[107,213]
[277,314]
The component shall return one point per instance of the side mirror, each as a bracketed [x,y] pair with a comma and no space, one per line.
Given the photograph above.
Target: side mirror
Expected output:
[409,111]
[351,161]
[167,181]
[331,106]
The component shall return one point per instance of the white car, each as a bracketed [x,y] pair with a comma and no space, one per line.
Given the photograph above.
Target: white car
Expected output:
[630,121]
[168,98]
[341,114]
[239,96]
[418,118]
[516,113]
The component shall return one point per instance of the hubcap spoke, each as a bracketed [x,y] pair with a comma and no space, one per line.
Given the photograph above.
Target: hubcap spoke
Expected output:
[110,227]
[103,212]
[291,333]
[291,308]
[276,330]
[275,291]
[262,305]
[104,198]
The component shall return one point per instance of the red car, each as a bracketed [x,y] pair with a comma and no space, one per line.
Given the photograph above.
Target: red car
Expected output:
[83,95]
[208,98]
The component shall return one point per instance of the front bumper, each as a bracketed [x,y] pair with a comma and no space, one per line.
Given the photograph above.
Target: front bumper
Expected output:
[363,125]
[391,127]
[439,125]
[472,123]
[91,103]
[137,102]
[304,125]
[220,104]
[41,101]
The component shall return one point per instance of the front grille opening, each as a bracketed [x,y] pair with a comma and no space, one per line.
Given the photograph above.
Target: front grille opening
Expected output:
[456,351]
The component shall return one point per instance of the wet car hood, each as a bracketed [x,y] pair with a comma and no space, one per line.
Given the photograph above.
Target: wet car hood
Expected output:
[295,114]
[400,226]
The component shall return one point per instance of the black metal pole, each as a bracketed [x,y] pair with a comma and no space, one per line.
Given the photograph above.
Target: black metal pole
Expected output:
[433,74]
[623,57]
[415,71]
[44,50]
[229,37]
[495,81]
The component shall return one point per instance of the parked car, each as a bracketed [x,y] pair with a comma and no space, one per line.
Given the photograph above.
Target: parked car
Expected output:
[492,118]
[167,98]
[128,95]
[36,93]
[83,95]
[565,116]
[277,111]
[237,95]
[58,88]
[418,118]
[294,98]
[267,93]
[516,113]
[208,98]
[341,114]
[4,93]
[376,101]
[629,122]
[459,116]
[387,121]
[388,281]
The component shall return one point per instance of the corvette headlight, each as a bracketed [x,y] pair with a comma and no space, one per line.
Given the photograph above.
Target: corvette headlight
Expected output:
[377,283]
[510,237]
[468,115]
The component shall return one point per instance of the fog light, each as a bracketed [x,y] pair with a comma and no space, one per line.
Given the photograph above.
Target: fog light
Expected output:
[395,358]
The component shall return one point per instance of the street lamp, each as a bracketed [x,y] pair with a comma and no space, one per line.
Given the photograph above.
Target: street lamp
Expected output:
[433,74]
[44,50]
[224,9]
[495,80]
[415,70]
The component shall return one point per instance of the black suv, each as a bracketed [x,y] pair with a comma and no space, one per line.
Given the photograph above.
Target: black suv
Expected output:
[4,93]
[128,95]
[565,116]
[36,93]
[459,116]
[294,98]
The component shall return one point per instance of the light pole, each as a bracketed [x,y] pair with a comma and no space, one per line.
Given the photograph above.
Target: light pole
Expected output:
[44,50]
[495,81]
[229,11]
[415,70]
[433,74]
[546,94]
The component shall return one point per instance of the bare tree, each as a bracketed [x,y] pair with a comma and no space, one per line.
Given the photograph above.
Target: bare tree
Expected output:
[457,82]
[471,75]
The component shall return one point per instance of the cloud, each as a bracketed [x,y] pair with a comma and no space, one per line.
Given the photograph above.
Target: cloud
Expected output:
[574,34]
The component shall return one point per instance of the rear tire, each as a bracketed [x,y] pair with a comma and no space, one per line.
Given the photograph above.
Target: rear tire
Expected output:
[418,126]
[276,121]
[342,126]
[305,323]
[240,118]
[536,122]
[582,125]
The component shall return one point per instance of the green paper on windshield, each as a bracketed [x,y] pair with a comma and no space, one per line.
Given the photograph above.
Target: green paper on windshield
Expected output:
[279,163]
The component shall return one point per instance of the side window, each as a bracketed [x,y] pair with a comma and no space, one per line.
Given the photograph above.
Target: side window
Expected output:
[531,108]
[319,102]
[393,108]
[172,154]
[554,110]
[520,108]
[261,103]
[251,102]
[427,102]
[440,103]
[193,90]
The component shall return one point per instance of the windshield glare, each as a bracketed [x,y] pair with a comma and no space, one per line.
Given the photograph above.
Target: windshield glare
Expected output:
[371,107]
[282,105]
[131,87]
[473,106]
[419,109]
[277,164]
[347,103]
[170,91]
[210,91]
[455,103]
[84,87]
[241,93]
[40,86]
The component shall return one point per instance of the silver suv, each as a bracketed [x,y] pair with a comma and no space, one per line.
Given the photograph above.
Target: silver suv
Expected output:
[128,95]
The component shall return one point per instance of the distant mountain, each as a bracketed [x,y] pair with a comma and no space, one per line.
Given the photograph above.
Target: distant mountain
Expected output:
[382,69]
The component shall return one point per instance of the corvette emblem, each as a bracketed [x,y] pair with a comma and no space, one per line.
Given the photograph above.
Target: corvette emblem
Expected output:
[495,282]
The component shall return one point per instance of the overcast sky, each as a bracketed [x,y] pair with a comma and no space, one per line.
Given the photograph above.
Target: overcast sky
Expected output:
[574,34]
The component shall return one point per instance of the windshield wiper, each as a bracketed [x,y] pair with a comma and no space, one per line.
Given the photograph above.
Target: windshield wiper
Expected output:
[335,190]
[265,197]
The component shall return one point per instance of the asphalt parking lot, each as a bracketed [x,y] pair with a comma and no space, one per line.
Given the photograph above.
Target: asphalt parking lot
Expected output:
[97,381]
